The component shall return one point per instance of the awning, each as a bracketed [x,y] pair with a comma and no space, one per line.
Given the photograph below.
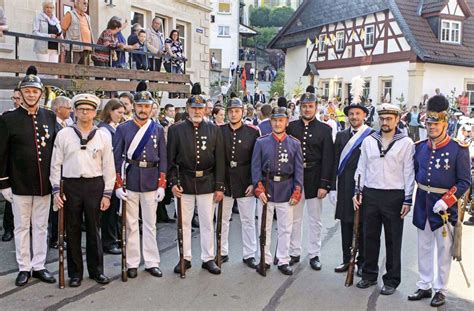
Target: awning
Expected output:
[246,31]
[310,69]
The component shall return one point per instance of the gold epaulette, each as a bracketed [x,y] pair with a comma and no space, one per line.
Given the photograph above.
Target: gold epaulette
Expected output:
[461,143]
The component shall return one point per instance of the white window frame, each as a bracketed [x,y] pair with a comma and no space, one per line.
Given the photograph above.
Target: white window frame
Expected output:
[322,45]
[369,39]
[340,41]
[367,88]
[338,89]
[164,24]
[142,12]
[224,33]
[448,33]
[385,88]
[224,12]
[184,39]
[325,89]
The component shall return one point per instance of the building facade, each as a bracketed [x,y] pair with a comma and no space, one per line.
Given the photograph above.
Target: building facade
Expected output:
[403,49]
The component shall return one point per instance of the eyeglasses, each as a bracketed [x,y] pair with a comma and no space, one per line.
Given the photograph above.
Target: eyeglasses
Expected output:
[84,110]
[66,107]
[15,98]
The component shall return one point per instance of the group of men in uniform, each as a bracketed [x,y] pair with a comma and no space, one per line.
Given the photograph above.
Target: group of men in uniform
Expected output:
[294,166]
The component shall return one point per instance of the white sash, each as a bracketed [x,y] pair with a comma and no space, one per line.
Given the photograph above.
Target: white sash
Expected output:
[138,137]
[351,142]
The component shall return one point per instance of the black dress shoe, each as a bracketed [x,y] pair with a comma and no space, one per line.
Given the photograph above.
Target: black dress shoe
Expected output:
[44,276]
[343,267]
[53,244]
[132,273]
[250,262]
[187,265]
[285,269]
[155,271]
[7,236]
[224,258]
[359,272]
[22,278]
[469,222]
[113,250]
[75,282]
[211,267]
[438,300]
[365,283]
[294,259]
[315,263]
[101,279]
[420,294]
[387,290]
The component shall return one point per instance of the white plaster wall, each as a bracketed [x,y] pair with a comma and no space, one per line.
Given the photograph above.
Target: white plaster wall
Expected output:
[446,78]
[295,64]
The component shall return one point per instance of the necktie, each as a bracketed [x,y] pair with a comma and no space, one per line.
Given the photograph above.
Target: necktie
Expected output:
[63,124]
[353,132]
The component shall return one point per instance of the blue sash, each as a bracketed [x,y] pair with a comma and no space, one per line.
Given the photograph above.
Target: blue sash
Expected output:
[144,140]
[357,143]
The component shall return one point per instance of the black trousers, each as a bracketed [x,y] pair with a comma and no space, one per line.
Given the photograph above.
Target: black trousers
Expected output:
[83,196]
[161,212]
[8,224]
[347,229]
[155,64]
[382,207]
[53,224]
[109,224]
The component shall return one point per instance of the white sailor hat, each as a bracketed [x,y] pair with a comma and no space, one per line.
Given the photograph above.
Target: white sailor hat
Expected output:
[86,99]
[386,108]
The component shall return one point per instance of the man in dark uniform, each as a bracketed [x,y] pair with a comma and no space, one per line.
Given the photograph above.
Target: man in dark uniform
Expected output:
[279,155]
[26,145]
[239,141]
[318,156]
[195,150]
[443,174]
[347,150]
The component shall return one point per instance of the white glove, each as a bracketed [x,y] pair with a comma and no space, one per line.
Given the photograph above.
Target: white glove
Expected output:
[8,194]
[333,197]
[121,194]
[160,194]
[439,206]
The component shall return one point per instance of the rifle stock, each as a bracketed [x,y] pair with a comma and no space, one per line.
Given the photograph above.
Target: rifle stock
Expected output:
[182,268]
[262,269]
[219,234]
[355,240]
[61,236]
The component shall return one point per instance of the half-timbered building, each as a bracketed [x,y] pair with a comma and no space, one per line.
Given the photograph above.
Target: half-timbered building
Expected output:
[402,48]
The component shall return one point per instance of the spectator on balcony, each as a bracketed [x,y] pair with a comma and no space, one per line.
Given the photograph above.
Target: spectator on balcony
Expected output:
[3,22]
[174,53]
[108,38]
[155,44]
[76,25]
[47,25]
[121,61]
[140,60]
[133,38]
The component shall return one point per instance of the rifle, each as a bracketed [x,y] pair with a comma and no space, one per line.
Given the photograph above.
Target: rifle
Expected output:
[355,239]
[182,268]
[262,269]
[219,234]
[61,235]
[124,233]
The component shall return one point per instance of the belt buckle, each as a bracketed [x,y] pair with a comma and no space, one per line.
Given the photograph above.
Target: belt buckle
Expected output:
[276,178]
[199,173]
[233,164]
[142,164]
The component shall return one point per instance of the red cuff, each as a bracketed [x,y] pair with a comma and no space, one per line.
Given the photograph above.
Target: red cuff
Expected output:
[296,196]
[449,197]
[260,189]
[162,181]
[118,181]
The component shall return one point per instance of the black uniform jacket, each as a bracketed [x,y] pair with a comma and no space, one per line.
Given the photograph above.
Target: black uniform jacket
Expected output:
[26,146]
[345,181]
[318,154]
[199,153]
[238,157]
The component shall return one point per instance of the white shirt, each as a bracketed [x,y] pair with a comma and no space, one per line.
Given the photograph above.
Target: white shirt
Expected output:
[394,171]
[97,160]
[68,121]
[333,125]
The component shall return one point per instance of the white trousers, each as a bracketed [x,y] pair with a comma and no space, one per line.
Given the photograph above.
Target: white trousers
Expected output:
[205,206]
[246,207]
[284,223]
[151,255]
[427,267]
[314,209]
[31,211]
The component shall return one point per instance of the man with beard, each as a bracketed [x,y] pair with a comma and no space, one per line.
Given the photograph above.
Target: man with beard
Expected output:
[347,150]
[239,141]
[140,160]
[443,174]
[195,150]
[26,145]
[386,185]
[318,156]
[278,155]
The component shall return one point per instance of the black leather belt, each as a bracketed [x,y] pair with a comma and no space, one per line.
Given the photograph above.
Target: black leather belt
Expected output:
[233,164]
[143,164]
[278,178]
[309,164]
[198,174]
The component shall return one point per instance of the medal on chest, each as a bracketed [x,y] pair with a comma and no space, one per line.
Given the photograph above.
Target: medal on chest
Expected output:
[203,141]
[154,137]
[46,130]
[283,157]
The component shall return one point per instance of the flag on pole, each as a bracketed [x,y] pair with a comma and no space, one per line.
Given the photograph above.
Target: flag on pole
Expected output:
[316,41]
[308,42]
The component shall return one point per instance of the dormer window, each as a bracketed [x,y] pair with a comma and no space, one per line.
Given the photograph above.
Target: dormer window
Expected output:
[450,32]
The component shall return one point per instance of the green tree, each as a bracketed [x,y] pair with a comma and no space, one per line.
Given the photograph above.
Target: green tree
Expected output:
[279,16]
[260,17]
[278,85]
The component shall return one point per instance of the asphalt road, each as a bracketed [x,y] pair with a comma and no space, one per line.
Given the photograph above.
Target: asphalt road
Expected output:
[238,287]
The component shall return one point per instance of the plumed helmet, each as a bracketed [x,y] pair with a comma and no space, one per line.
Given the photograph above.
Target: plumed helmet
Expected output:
[307,98]
[31,79]
[437,109]
[235,103]
[280,112]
